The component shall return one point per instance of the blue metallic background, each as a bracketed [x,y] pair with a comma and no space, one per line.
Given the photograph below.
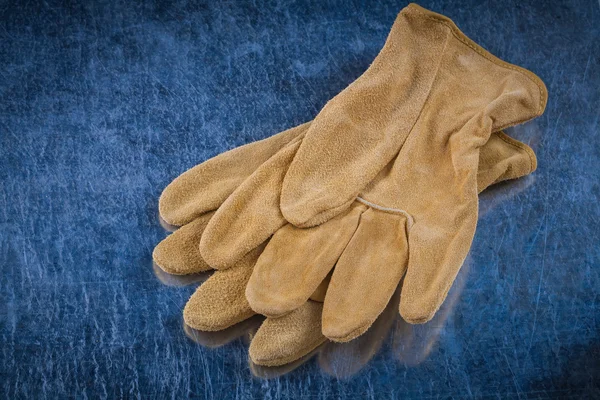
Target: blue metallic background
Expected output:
[102,103]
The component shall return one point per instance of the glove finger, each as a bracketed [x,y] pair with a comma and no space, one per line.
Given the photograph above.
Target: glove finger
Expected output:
[296,261]
[283,340]
[250,215]
[179,254]
[220,301]
[366,275]
[439,242]
[205,187]
[503,158]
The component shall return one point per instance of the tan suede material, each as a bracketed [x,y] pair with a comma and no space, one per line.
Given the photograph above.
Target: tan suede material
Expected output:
[205,187]
[341,360]
[301,257]
[507,162]
[289,342]
[321,290]
[379,269]
[430,83]
[282,340]
[250,216]
[220,301]
[179,254]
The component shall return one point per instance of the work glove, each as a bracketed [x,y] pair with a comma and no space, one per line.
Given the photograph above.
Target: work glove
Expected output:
[390,164]
[255,204]
[220,301]
[291,340]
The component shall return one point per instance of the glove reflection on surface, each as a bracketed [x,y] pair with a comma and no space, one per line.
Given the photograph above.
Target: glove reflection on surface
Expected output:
[412,344]
[178,280]
[215,339]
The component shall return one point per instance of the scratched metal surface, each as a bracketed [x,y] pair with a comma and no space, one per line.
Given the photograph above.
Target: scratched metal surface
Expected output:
[103,103]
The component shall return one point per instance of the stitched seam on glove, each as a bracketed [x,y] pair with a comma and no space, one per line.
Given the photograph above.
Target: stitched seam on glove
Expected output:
[409,217]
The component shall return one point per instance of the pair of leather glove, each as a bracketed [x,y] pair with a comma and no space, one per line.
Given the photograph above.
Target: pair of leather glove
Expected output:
[316,226]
